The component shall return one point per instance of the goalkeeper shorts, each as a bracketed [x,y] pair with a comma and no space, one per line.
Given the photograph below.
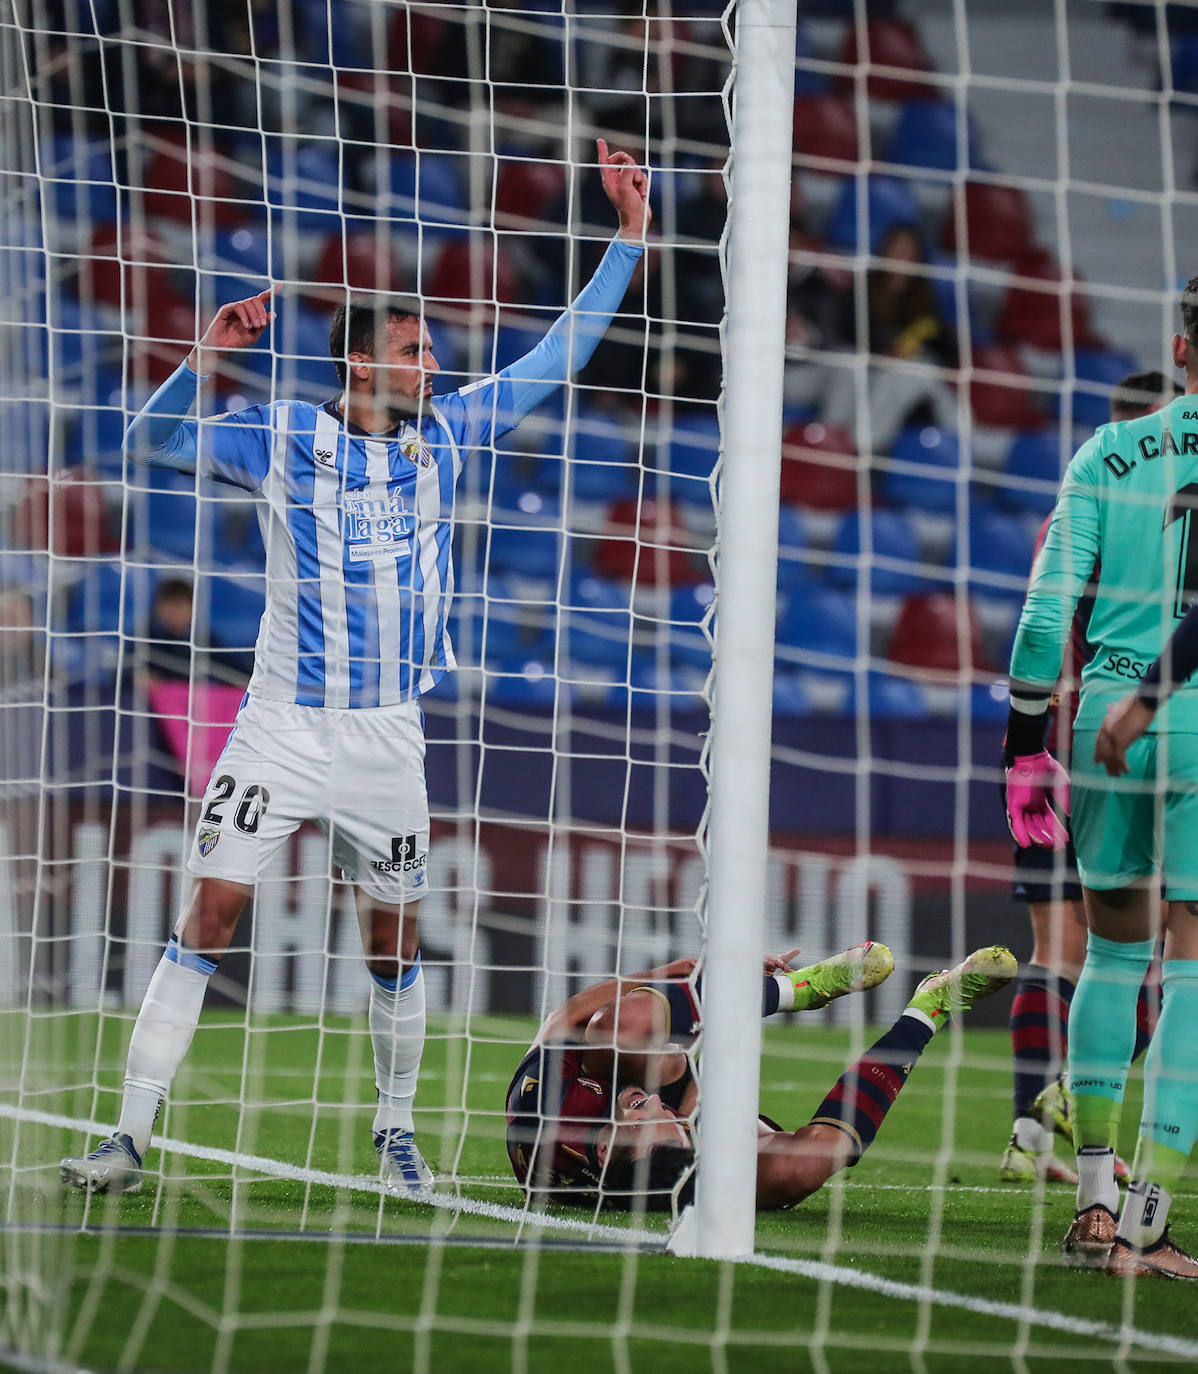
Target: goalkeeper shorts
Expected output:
[1146,822]
[358,774]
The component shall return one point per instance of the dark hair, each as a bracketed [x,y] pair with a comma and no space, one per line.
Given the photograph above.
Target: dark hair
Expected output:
[171,587]
[1140,392]
[660,1180]
[355,326]
[1189,311]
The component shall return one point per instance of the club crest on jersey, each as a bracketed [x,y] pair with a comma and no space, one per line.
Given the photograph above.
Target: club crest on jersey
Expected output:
[415,450]
[206,839]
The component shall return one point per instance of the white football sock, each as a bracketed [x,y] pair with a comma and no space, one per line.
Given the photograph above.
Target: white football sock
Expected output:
[1096,1186]
[1145,1211]
[397,1033]
[165,1025]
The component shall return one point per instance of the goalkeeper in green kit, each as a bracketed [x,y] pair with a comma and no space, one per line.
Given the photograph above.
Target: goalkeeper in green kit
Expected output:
[1124,520]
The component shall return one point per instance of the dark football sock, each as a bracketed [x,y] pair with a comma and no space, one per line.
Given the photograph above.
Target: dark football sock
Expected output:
[866,1091]
[1039,1032]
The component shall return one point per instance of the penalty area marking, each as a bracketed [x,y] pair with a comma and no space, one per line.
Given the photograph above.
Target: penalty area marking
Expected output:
[631,1238]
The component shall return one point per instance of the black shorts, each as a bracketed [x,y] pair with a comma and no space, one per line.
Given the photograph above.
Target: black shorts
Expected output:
[1046,875]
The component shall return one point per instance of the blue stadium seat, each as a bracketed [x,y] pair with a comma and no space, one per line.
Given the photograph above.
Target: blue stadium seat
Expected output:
[1101,369]
[1000,545]
[693,445]
[246,250]
[790,695]
[84,182]
[95,437]
[821,620]
[807,82]
[303,183]
[681,686]
[234,608]
[172,513]
[595,623]
[80,340]
[528,545]
[892,539]
[926,136]
[427,187]
[1034,456]
[689,645]
[989,701]
[896,698]
[511,343]
[792,541]
[603,459]
[300,336]
[26,434]
[95,604]
[523,681]
[936,450]
[889,202]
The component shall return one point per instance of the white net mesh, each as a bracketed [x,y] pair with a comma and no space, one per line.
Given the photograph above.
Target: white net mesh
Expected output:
[990,216]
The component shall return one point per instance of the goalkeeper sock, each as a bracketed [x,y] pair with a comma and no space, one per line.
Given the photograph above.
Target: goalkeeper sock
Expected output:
[866,1091]
[166,1023]
[1102,1032]
[1039,1033]
[1169,1124]
[397,1034]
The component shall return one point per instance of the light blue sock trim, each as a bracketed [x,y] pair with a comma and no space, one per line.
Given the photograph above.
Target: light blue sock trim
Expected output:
[387,984]
[1102,1016]
[188,958]
[411,974]
[1178,968]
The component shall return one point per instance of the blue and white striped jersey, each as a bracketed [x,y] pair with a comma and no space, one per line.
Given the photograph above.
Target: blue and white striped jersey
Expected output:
[358,527]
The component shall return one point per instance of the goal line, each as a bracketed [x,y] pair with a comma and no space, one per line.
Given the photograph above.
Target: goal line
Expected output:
[630,1238]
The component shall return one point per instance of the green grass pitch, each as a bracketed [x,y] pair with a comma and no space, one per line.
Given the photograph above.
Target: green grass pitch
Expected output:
[153,1282]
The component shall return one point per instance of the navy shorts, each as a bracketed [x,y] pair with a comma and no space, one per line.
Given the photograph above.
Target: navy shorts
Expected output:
[1045,875]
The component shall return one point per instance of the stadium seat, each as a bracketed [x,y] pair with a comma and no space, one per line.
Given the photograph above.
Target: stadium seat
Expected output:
[455,277]
[531,544]
[888,43]
[300,339]
[927,635]
[792,541]
[596,621]
[424,186]
[172,514]
[938,452]
[524,680]
[825,126]
[189,185]
[819,467]
[807,81]
[163,342]
[998,222]
[889,202]
[603,460]
[990,701]
[998,404]
[892,539]
[693,445]
[820,620]
[1000,553]
[67,517]
[682,687]
[124,266]
[1032,315]
[95,604]
[304,183]
[234,609]
[689,645]
[1184,63]
[790,694]
[27,435]
[1034,457]
[895,698]
[926,136]
[525,188]
[361,261]
[649,542]
[247,249]
[84,184]
[1098,372]
[95,437]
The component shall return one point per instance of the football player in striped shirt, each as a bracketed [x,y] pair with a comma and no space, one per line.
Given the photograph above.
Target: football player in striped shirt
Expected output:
[600,1109]
[356,504]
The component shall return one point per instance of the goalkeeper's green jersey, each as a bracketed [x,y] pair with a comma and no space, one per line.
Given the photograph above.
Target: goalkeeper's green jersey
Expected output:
[1125,517]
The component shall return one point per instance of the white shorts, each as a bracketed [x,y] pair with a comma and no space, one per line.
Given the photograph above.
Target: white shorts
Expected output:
[359,774]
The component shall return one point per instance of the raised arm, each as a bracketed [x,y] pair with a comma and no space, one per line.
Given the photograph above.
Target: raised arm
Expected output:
[161,435]
[491,407]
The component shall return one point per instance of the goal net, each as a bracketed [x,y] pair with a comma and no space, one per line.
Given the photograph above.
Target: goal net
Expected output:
[989,215]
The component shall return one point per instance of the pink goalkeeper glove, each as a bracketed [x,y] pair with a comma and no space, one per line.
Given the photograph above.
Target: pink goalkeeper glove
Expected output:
[1034,781]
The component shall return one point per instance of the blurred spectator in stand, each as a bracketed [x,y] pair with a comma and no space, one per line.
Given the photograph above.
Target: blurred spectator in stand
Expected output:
[22,720]
[168,648]
[904,323]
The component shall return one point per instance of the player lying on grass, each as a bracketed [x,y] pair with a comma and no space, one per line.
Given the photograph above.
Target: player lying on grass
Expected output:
[601,1107]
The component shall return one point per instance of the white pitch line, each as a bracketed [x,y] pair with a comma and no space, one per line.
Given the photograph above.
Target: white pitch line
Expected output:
[816,1270]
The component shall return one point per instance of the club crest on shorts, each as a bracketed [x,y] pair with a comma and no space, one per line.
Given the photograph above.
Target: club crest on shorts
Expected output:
[206,838]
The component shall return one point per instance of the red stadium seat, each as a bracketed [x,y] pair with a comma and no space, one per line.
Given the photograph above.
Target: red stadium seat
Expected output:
[493,278]
[998,223]
[1006,405]
[1033,316]
[176,177]
[159,345]
[414,41]
[80,526]
[826,126]
[927,635]
[523,190]
[889,43]
[125,264]
[819,467]
[651,545]
[359,261]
